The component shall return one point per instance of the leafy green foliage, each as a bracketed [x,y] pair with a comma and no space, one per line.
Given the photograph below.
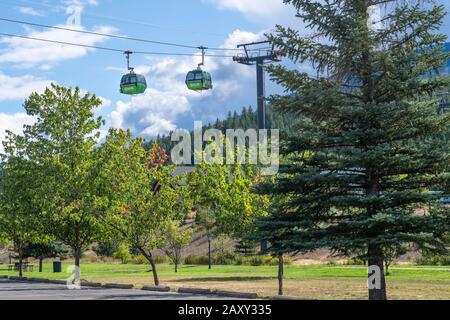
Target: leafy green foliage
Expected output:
[52,249]
[225,195]
[122,253]
[62,143]
[173,239]
[19,215]
[137,195]
[106,248]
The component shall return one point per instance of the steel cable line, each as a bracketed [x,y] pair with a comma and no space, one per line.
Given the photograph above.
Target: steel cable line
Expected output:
[115,36]
[111,49]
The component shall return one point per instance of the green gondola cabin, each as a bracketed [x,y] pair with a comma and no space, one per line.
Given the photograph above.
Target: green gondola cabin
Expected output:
[133,83]
[198,80]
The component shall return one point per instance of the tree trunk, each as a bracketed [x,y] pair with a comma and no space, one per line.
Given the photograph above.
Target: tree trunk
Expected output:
[176,267]
[209,253]
[280,274]
[40,264]
[20,263]
[77,257]
[376,259]
[149,257]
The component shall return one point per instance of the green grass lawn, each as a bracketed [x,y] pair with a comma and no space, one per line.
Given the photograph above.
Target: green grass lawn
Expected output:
[319,282]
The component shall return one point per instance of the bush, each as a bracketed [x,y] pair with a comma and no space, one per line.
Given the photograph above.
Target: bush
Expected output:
[140,259]
[91,260]
[262,261]
[107,248]
[433,261]
[355,261]
[196,260]
[161,259]
[122,253]
[236,260]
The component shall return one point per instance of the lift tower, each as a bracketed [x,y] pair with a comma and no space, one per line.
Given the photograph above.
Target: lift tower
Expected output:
[259,53]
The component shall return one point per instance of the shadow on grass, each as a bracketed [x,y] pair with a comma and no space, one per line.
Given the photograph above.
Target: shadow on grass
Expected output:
[224,279]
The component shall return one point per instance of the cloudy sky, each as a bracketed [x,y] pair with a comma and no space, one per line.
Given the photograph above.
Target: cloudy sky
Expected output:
[27,66]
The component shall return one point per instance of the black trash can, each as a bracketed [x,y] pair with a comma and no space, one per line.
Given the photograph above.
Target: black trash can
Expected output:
[57,267]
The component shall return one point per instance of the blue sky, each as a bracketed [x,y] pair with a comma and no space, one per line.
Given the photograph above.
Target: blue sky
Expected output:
[27,66]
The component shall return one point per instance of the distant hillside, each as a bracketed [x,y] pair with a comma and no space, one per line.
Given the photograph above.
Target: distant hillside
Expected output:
[246,119]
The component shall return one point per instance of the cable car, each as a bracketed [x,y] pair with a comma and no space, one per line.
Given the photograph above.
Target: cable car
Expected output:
[132,83]
[198,80]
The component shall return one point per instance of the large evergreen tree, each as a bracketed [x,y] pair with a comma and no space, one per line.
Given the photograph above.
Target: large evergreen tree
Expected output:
[369,147]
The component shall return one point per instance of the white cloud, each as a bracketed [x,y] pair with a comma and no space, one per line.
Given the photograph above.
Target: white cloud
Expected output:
[30,11]
[153,113]
[31,53]
[271,11]
[19,88]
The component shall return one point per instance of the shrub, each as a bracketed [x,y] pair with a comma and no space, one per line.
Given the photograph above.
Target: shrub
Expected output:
[355,261]
[107,248]
[161,259]
[236,260]
[122,253]
[91,260]
[196,260]
[262,261]
[224,260]
[433,261]
[138,259]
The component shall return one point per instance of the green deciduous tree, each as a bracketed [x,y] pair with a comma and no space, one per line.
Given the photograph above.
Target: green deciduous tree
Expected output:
[45,250]
[369,146]
[19,216]
[106,248]
[122,253]
[174,237]
[137,194]
[62,142]
[225,194]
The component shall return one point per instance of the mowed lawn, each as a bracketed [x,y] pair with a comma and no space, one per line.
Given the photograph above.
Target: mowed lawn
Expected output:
[316,282]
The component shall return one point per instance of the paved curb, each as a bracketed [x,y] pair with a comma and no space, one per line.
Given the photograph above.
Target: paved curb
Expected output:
[157,289]
[14,278]
[232,294]
[91,284]
[195,291]
[118,286]
[199,291]
[41,280]
[64,282]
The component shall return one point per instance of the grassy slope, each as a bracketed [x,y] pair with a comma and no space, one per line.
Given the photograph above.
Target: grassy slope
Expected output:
[319,282]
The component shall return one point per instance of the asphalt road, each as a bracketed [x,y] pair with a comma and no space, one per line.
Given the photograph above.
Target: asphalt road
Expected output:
[14,290]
